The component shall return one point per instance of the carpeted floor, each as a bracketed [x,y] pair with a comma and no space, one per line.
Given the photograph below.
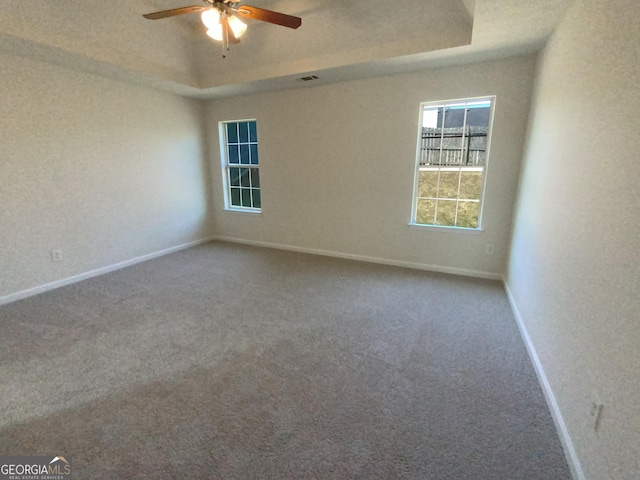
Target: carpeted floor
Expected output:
[235,362]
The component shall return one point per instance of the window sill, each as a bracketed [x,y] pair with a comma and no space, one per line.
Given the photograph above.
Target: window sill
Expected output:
[442,229]
[243,210]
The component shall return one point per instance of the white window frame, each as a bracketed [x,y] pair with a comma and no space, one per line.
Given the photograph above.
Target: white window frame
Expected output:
[226,166]
[414,204]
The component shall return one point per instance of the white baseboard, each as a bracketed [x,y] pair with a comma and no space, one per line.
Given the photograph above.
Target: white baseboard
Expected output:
[363,258]
[12,297]
[563,433]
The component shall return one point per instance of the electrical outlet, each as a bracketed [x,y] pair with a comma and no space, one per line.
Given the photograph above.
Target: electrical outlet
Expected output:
[596,414]
[489,249]
[56,255]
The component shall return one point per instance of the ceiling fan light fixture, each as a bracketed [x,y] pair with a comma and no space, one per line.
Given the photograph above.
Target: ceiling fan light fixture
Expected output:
[211,18]
[238,27]
[215,32]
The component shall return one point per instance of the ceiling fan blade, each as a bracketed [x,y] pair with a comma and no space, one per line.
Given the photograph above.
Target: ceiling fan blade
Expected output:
[255,13]
[173,12]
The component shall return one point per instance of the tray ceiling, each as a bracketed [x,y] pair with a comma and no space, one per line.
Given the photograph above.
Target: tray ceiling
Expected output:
[338,40]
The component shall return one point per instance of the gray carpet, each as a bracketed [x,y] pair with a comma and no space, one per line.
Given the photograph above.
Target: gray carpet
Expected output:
[233,362]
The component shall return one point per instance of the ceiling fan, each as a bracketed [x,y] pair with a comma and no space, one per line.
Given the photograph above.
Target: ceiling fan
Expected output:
[221,18]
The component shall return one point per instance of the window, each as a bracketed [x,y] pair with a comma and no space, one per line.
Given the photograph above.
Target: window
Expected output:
[241,177]
[451,163]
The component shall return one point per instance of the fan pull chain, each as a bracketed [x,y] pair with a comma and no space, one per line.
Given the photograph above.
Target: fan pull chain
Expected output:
[225,35]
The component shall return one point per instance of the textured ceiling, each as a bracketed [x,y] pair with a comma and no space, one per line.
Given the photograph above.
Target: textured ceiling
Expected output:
[338,40]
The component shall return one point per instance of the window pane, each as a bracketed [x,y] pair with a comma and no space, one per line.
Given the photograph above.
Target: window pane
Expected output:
[471,185]
[430,117]
[232,132]
[452,153]
[425,211]
[428,183]
[234,177]
[430,148]
[446,214]
[477,146]
[453,133]
[255,178]
[448,184]
[235,197]
[478,124]
[254,153]
[244,177]
[234,156]
[253,132]
[246,197]
[244,154]
[454,116]
[243,128]
[478,115]
[468,214]
[257,202]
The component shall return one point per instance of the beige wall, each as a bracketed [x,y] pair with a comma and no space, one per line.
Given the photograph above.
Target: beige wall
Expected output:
[102,170]
[574,265]
[337,166]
